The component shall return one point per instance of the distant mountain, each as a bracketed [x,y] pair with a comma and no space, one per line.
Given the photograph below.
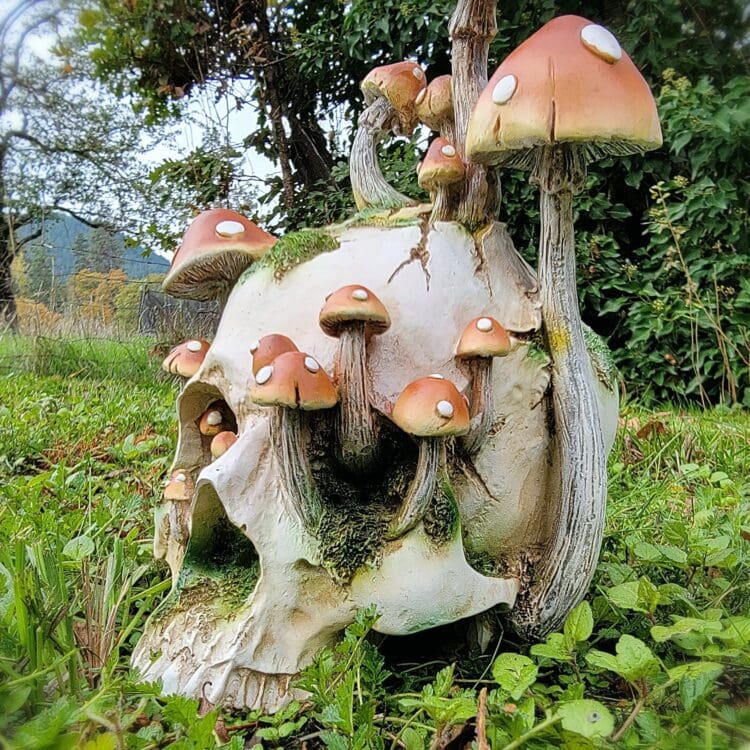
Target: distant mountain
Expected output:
[60,233]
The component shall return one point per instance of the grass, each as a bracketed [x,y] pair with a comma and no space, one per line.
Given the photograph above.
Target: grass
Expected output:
[657,656]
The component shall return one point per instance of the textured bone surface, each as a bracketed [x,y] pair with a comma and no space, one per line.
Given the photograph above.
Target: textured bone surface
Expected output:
[247,633]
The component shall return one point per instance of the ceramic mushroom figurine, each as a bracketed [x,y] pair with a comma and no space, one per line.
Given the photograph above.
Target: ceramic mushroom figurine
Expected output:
[388,495]
[434,107]
[217,247]
[568,95]
[186,358]
[390,92]
[441,168]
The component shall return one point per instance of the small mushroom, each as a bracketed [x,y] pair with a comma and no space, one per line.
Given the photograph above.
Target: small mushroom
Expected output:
[431,409]
[390,91]
[353,314]
[266,349]
[179,486]
[186,358]
[294,383]
[212,421]
[434,107]
[217,247]
[483,339]
[222,443]
[440,168]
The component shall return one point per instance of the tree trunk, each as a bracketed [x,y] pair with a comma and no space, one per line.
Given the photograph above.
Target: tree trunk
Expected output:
[309,150]
[8,314]
[472,29]
[561,578]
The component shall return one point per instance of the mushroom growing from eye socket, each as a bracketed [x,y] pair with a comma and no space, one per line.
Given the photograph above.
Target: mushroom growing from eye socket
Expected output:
[294,383]
[216,248]
[213,421]
[222,443]
[353,314]
[431,409]
[483,339]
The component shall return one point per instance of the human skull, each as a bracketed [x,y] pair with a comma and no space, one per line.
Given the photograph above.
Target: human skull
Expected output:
[256,592]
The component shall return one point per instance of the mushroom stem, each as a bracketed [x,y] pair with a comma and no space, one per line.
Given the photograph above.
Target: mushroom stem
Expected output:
[368,184]
[421,490]
[480,404]
[472,28]
[443,207]
[289,440]
[357,429]
[562,576]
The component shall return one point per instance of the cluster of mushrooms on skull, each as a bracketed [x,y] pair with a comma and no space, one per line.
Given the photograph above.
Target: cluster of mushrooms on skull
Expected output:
[429,438]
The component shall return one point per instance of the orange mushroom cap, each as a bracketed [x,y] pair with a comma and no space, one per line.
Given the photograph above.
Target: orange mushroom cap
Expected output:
[179,486]
[354,303]
[266,349]
[434,104]
[212,421]
[441,166]
[294,380]
[570,82]
[186,358]
[222,443]
[217,247]
[399,83]
[431,407]
[483,337]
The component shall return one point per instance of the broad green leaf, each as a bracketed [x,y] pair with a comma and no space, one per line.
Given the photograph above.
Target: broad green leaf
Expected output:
[553,648]
[78,548]
[514,673]
[696,680]
[683,625]
[586,717]
[578,625]
[412,739]
[633,661]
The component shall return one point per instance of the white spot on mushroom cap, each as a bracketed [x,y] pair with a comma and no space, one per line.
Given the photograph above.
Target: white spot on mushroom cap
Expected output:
[311,364]
[421,95]
[194,346]
[504,89]
[484,325]
[448,150]
[229,228]
[213,418]
[264,375]
[254,346]
[445,409]
[437,376]
[418,73]
[180,477]
[601,42]
[360,294]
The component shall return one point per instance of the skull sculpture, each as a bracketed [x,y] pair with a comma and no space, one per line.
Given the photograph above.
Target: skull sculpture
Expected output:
[276,538]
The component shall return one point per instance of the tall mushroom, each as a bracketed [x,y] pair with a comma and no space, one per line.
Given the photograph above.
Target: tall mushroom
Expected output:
[390,91]
[483,339]
[294,382]
[441,168]
[354,314]
[216,248]
[431,409]
[566,96]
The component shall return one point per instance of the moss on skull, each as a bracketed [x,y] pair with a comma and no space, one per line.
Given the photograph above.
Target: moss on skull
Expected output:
[292,250]
[441,521]
[601,358]
[388,218]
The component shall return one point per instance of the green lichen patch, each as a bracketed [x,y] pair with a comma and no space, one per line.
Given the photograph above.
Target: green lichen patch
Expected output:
[536,353]
[441,521]
[601,358]
[389,218]
[292,250]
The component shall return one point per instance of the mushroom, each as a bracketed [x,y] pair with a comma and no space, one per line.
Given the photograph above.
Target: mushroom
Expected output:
[217,247]
[434,107]
[431,409]
[212,421]
[186,358]
[266,349]
[353,314]
[179,492]
[483,339]
[221,443]
[390,91]
[179,486]
[294,382]
[566,96]
[440,168]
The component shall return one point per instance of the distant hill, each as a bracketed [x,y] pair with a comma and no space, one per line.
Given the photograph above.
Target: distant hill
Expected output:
[60,233]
